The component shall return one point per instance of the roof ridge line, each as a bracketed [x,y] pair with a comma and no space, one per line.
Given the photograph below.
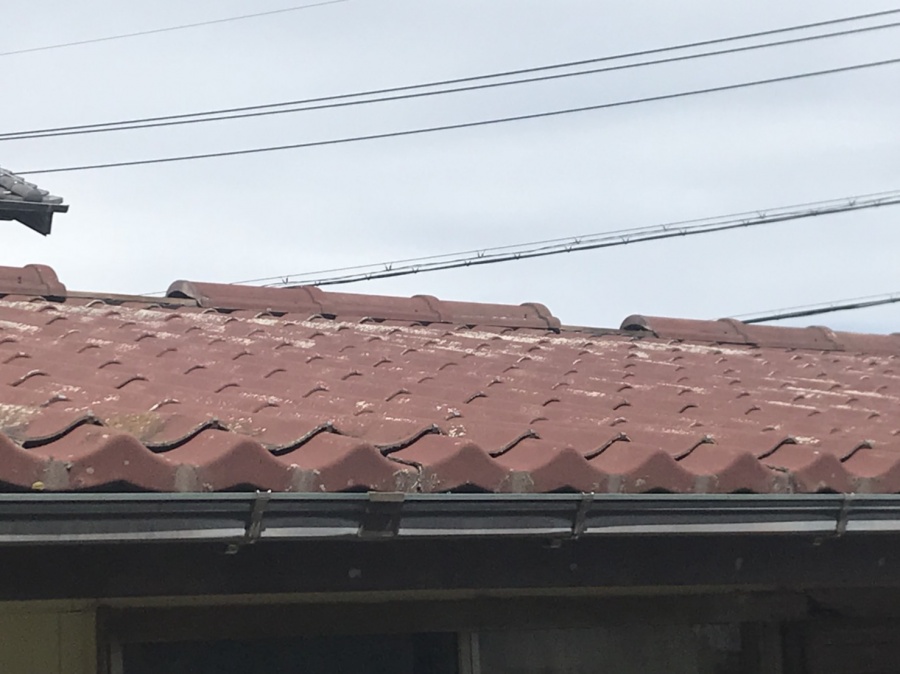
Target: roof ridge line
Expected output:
[340,305]
[730,331]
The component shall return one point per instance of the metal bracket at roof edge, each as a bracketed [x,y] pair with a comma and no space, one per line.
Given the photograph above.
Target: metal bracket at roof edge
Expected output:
[840,527]
[579,524]
[841,521]
[253,530]
[382,516]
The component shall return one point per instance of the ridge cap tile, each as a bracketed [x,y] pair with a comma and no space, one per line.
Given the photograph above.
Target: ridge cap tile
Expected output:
[32,279]
[732,331]
[314,301]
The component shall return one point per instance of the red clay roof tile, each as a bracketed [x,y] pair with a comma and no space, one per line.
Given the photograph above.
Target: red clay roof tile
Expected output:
[224,387]
[313,301]
[730,331]
[33,279]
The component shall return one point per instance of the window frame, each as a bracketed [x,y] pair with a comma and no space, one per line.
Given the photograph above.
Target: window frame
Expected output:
[398,613]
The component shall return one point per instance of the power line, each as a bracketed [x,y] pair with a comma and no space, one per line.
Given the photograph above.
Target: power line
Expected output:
[340,100]
[185,26]
[218,116]
[818,309]
[290,279]
[588,242]
[467,125]
[507,73]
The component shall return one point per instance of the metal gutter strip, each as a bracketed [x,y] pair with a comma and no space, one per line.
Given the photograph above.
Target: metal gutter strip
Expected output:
[239,519]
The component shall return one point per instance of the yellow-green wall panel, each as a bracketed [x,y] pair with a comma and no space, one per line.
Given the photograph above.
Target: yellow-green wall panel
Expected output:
[47,642]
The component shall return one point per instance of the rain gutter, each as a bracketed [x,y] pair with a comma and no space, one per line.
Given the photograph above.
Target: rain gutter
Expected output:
[238,519]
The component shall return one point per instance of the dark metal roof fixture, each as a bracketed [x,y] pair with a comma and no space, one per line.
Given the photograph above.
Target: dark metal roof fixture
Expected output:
[23,201]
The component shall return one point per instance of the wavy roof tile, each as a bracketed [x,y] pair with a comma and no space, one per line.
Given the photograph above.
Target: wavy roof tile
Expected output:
[221,387]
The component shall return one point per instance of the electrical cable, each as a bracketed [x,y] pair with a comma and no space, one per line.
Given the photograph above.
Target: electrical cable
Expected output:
[585,242]
[282,279]
[167,29]
[818,309]
[465,125]
[278,108]
[217,117]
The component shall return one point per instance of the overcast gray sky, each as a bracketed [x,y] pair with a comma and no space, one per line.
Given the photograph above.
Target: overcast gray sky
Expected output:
[138,229]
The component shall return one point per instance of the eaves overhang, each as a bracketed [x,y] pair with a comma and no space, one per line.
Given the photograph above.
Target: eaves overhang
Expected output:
[35,215]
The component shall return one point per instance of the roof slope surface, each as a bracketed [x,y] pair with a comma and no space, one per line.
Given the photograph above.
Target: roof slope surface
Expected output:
[229,388]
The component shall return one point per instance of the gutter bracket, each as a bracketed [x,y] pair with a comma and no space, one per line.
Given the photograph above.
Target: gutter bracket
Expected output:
[840,523]
[254,528]
[579,525]
[382,516]
[840,527]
